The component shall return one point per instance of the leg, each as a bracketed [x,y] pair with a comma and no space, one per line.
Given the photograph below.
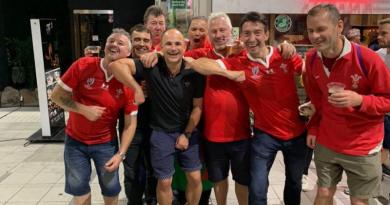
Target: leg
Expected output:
[329,173]
[164,191]
[294,153]
[194,187]
[77,171]
[133,187]
[189,161]
[205,197]
[162,149]
[357,201]
[241,193]
[151,180]
[239,153]
[363,176]
[110,200]
[108,181]
[325,195]
[82,200]
[217,163]
[305,177]
[263,151]
[220,191]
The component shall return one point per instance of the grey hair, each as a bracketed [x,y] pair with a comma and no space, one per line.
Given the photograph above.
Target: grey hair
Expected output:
[333,12]
[122,32]
[216,15]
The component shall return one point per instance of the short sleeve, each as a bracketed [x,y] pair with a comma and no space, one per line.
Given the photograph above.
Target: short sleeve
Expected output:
[71,77]
[200,81]
[130,107]
[228,63]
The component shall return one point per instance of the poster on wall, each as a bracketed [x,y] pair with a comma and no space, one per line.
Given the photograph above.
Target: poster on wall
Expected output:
[47,67]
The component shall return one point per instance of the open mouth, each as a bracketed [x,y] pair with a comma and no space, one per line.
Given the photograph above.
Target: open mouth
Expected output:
[196,40]
[141,49]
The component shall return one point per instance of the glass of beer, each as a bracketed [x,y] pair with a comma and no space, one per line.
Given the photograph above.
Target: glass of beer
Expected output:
[335,87]
[92,51]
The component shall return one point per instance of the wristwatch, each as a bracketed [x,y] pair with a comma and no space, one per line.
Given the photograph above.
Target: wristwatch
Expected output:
[188,135]
[122,155]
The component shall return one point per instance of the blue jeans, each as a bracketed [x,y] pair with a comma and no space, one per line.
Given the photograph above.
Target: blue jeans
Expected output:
[263,152]
[77,159]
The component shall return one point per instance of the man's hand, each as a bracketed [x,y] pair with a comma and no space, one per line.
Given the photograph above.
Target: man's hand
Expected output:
[345,98]
[182,142]
[139,96]
[92,113]
[287,50]
[188,61]
[113,163]
[311,141]
[149,59]
[237,47]
[144,88]
[238,76]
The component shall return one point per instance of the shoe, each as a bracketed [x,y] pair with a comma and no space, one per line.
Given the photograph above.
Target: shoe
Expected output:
[305,183]
[346,191]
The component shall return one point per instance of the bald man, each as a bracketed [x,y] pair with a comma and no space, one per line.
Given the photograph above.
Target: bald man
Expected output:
[176,97]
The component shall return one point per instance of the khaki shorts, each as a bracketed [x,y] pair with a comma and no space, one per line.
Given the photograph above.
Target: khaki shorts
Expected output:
[363,172]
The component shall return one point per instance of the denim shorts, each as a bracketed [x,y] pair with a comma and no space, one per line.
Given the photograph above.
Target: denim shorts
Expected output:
[163,152]
[77,158]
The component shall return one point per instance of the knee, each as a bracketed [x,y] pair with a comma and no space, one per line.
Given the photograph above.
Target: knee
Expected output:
[323,192]
[165,184]
[194,178]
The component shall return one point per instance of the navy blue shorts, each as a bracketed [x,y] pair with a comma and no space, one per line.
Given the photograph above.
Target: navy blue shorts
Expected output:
[221,156]
[163,152]
[77,159]
[386,139]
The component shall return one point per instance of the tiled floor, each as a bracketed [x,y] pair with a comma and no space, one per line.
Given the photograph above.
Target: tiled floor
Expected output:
[35,174]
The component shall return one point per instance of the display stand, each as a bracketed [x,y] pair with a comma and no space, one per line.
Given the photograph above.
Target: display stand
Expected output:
[45,45]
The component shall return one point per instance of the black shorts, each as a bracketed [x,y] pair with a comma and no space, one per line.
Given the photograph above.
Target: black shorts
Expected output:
[221,156]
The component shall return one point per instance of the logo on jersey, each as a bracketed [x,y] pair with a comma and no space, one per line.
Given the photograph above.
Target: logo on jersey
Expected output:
[105,86]
[119,92]
[255,72]
[89,82]
[187,84]
[270,71]
[355,80]
[283,66]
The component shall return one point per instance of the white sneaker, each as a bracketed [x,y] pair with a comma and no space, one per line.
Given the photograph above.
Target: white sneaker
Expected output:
[305,183]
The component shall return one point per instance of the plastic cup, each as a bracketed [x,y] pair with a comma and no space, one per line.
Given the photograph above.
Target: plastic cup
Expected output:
[335,87]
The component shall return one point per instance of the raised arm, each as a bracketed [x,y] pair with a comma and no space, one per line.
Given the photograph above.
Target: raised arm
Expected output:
[123,70]
[207,66]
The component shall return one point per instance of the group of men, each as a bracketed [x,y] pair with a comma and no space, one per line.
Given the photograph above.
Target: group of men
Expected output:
[346,131]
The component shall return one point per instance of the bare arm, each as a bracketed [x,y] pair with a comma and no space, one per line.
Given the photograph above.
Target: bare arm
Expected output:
[64,99]
[182,141]
[123,70]
[126,138]
[207,66]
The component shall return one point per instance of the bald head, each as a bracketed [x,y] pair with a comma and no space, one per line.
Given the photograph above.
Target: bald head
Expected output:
[172,33]
[173,45]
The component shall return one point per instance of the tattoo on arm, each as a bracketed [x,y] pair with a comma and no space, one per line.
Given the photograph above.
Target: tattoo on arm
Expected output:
[68,102]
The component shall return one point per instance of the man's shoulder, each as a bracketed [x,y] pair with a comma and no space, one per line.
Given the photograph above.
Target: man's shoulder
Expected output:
[88,63]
